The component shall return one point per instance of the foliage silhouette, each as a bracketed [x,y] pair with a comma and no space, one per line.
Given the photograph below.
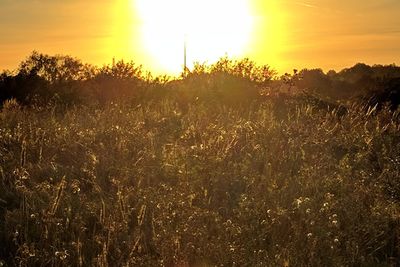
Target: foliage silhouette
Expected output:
[42,78]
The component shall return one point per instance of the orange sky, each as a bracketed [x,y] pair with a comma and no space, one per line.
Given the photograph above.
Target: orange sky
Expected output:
[284,34]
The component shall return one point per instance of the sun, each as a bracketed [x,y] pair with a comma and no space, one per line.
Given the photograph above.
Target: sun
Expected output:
[210,28]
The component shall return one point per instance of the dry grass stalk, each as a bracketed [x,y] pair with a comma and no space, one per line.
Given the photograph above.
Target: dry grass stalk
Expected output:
[56,201]
[121,203]
[102,212]
[23,153]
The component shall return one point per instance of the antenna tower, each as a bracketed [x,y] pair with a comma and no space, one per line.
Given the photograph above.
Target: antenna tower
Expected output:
[184,57]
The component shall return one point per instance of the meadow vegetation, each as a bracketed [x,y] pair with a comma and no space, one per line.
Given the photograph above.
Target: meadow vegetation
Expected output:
[113,167]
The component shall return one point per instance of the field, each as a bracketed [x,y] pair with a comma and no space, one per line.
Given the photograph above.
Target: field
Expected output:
[181,180]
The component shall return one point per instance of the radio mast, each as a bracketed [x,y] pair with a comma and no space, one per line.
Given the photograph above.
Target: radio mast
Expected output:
[184,57]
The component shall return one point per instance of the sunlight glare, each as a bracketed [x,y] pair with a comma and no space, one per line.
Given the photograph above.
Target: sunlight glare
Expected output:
[212,29]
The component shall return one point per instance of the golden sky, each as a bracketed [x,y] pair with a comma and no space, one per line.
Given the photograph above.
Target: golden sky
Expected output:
[284,34]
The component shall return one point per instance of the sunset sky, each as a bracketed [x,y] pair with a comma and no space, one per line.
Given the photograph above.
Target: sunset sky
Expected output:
[284,34]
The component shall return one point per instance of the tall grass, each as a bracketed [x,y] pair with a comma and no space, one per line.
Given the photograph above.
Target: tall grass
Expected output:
[161,184]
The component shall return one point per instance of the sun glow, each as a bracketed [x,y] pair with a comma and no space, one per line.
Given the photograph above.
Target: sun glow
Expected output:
[210,28]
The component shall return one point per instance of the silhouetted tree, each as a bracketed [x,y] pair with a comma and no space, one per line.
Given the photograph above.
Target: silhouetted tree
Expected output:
[315,81]
[120,80]
[22,87]
[228,81]
[389,94]
[55,69]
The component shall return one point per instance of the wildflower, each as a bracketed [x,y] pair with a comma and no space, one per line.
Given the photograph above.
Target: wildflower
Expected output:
[297,202]
[62,255]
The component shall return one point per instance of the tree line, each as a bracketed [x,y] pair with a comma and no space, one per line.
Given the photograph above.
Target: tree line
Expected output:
[43,79]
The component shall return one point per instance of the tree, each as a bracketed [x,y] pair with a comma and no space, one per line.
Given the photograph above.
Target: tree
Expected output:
[55,69]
